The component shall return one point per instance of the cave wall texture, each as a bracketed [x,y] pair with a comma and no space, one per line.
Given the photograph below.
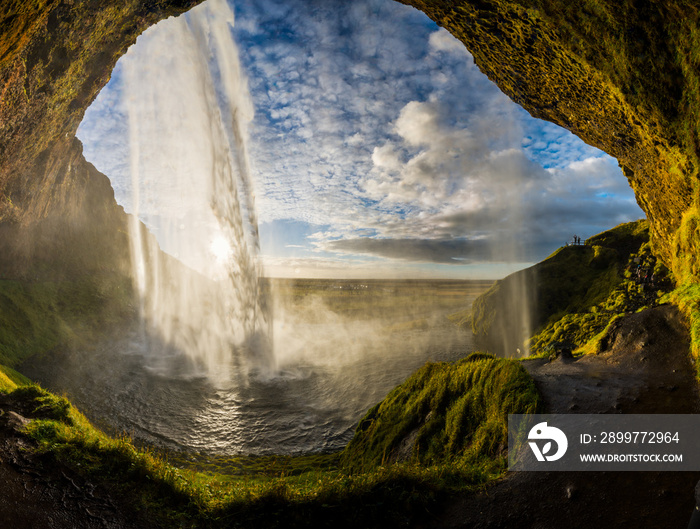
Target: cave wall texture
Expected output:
[58,216]
[624,75]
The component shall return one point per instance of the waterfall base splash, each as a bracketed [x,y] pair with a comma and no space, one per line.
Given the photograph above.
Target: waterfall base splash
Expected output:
[330,368]
[188,109]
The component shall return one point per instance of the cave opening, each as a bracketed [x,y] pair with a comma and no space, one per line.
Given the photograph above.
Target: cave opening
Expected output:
[380,153]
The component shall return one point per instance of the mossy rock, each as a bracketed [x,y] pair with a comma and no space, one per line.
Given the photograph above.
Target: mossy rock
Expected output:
[445,412]
[570,281]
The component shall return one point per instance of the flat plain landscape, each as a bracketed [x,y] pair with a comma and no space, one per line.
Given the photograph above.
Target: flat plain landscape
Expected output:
[398,300]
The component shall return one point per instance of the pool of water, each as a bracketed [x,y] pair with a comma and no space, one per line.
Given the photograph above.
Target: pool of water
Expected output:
[328,373]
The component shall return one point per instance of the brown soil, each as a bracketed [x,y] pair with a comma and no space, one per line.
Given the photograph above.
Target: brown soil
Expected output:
[645,368]
[37,493]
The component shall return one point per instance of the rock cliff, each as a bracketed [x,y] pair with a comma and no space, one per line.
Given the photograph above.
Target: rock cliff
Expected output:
[57,213]
[622,75]
[575,291]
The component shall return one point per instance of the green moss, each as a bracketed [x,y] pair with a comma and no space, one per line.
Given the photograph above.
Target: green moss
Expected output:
[45,404]
[285,491]
[594,342]
[454,413]
[687,297]
[20,20]
[462,319]
[686,271]
[10,379]
[550,295]
[685,264]
[614,294]
[6,382]
[575,293]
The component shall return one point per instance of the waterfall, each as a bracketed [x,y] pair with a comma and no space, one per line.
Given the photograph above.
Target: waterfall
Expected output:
[189,108]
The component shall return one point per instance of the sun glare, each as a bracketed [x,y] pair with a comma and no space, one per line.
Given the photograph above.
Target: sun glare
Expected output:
[221,249]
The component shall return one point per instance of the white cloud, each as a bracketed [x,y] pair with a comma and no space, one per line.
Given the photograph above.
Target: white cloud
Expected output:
[442,40]
[386,157]
[418,123]
[391,132]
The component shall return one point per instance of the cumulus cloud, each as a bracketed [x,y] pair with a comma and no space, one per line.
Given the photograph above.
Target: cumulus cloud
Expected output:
[442,40]
[390,137]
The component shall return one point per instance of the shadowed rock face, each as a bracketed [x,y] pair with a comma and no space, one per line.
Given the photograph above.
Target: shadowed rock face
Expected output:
[622,75]
[58,215]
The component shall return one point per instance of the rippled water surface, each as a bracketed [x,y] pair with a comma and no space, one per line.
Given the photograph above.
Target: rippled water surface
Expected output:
[338,353]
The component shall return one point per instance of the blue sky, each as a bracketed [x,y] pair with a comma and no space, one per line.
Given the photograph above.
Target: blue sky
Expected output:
[378,149]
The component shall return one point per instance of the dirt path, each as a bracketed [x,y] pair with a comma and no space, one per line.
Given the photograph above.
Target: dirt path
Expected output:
[644,369]
[40,494]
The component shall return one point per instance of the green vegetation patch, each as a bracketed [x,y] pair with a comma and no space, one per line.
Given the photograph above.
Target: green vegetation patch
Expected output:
[43,404]
[576,278]
[462,318]
[277,491]
[6,382]
[686,270]
[10,379]
[562,291]
[687,297]
[640,285]
[458,413]
[446,413]
[38,317]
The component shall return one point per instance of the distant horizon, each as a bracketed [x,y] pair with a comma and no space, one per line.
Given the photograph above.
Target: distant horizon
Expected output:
[378,279]
[401,272]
